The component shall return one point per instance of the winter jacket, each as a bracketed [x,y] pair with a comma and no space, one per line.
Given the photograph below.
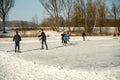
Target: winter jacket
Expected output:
[17,38]
[43,36]
[83,34]
[66,37]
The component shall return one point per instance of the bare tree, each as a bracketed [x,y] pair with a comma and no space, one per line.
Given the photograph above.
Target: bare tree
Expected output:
[100,13]
[5,6]
[90,16]
[81,13]
[24,26]
[47,22]
[115,13]
[86,14]
[68,11]
[118,21]
[89,13]
[35,21]
[53,7]
[95,12]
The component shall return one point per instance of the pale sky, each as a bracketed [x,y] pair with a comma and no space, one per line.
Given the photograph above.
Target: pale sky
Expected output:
[26,9]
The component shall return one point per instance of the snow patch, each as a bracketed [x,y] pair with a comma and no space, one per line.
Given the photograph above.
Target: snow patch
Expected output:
[94,59]
[12,68]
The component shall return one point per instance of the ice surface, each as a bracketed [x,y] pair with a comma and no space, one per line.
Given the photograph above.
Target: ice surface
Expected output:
[97,58]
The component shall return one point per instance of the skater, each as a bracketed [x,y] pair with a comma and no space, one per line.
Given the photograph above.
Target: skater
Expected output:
[43,38]
[83,35]
[118,34]
[114,34]
[62,38]
[17,39]
[66,38]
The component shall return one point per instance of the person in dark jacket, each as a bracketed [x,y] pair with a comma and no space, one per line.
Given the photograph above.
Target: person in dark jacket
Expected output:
[118,34]
[83,35]
[62,37]
[114,34]
[17,39]
[43,38]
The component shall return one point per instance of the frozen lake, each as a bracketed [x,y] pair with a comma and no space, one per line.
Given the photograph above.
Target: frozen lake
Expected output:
[97,58]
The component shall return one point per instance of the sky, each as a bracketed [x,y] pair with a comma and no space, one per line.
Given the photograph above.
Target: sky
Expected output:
[26,9]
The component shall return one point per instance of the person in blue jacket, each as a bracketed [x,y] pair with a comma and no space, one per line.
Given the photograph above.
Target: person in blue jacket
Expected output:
[66,38]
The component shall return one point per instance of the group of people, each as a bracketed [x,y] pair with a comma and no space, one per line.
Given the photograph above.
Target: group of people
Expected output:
[17,39]
[64,36]
[116,34]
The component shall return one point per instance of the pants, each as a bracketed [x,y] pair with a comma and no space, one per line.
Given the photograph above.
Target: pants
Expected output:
[17,44]
[44,42]
[62,40]
[84,38]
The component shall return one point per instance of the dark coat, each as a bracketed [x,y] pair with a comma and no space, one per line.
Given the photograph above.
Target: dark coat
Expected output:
[83,34]
[63,36]
[43,36]
[17,38]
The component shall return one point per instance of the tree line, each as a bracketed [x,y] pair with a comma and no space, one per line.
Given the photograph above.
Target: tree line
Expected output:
[72,13]
[81,13]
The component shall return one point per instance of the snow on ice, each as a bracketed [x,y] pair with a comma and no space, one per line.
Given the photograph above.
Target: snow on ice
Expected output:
[97,58]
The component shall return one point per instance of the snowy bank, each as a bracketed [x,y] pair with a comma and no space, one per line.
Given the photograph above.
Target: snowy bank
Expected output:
[12,68]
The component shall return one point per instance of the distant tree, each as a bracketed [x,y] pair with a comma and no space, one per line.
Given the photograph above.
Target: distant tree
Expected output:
[90,16]
[48,22]
[89,13]
[24,26]
[35,21]
[5,6]
[100,16]
[68,11]
[79,12]
[53,8]
[44,23]
[115,13]
[85,14]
